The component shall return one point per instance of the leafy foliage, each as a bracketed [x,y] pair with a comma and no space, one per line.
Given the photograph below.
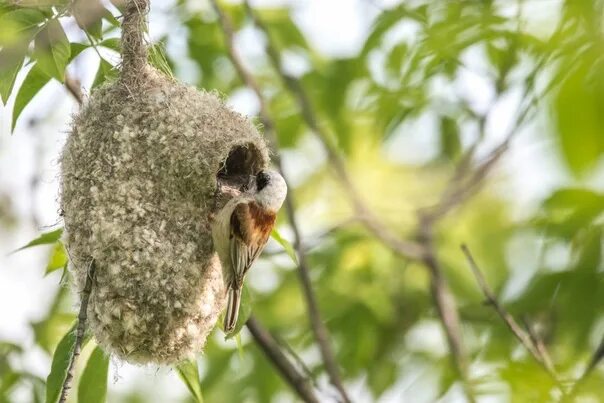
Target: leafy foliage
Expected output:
[414,77]
[60,364]
[93,382]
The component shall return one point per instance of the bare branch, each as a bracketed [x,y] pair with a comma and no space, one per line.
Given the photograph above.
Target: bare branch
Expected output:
[80,330]
[446,308]
[539,345]
[73,86]
[405,248]
[596,359]
[319,329]
[290,374]
[75,90]
[522,336]
[442,296]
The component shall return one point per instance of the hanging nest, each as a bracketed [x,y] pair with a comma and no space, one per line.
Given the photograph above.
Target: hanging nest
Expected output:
[147,163]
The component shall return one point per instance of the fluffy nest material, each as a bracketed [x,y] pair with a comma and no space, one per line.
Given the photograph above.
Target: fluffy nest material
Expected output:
[143,170]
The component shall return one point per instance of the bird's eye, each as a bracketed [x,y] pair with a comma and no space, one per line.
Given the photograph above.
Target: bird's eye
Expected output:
[262,180]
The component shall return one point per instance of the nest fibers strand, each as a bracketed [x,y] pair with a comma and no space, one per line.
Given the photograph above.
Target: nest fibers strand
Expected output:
[138,190]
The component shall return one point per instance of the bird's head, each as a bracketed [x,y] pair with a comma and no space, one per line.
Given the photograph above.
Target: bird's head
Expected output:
[270,190]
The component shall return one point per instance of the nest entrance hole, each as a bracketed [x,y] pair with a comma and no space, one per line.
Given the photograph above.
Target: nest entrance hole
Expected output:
[236,172]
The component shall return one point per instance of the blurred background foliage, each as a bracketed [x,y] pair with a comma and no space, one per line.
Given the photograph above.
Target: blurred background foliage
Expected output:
[452,75]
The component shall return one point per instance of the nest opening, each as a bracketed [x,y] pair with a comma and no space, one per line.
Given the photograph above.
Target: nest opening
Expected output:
[236,171]
[243,159]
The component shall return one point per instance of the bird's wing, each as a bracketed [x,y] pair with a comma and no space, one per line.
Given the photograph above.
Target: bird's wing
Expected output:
[250,228]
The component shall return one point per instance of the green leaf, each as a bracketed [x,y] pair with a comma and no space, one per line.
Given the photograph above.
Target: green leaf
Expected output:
[89,16]
[239,345]
[8,75]
[112,43]
[93,382]
[110,18]
[52,50]
[286,245]
[44,239]
[579,107]
[189,373]
[33,83]
[450,143]
[386,21]
[283,30]
[60,363]
[18,25]
[568,211]
[157,59]
[76,49]
[104,73]
[58,258]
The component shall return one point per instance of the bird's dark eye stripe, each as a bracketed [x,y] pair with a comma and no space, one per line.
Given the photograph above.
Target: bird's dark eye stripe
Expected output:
[261,180]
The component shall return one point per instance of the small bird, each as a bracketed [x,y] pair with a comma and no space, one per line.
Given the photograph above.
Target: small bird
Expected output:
[240,231]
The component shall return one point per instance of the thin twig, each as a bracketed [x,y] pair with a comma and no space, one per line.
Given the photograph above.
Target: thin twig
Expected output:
[468,181]
[421,251]
[596,358]
[76,92]
[319,329]
[442,296]
[446,309]
[298,360]
[80,330]
[273,352]
[408,249]
[522,336]
[73,86]
[539,345]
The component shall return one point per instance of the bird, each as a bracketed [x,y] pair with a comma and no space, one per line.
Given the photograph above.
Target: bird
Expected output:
[240,231]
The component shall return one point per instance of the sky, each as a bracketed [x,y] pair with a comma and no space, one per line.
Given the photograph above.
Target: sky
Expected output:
[527,173]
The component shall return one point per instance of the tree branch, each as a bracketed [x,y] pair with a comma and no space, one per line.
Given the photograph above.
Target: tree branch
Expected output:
[73,86]
[408,249]
[319,329]
[525,338]
[446,308]
[273,352]
[596,358]
[422,251]
[80,330]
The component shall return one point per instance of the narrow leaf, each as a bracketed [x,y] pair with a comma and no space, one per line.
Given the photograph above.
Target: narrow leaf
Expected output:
[157,59]
[93,382]
[112,43]
[110,18]
[286,245]
[104,73]
[44,239]
[189,373]
[33,83]
[8,75]
[88,15]
[239,345]
[52,50]
[76,49]
[60,364]
[58,258]
[18,24]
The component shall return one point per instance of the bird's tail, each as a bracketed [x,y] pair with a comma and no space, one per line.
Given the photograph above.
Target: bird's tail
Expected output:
[232,310]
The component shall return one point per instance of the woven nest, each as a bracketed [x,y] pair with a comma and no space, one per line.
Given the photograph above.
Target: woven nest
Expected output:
[147,163]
